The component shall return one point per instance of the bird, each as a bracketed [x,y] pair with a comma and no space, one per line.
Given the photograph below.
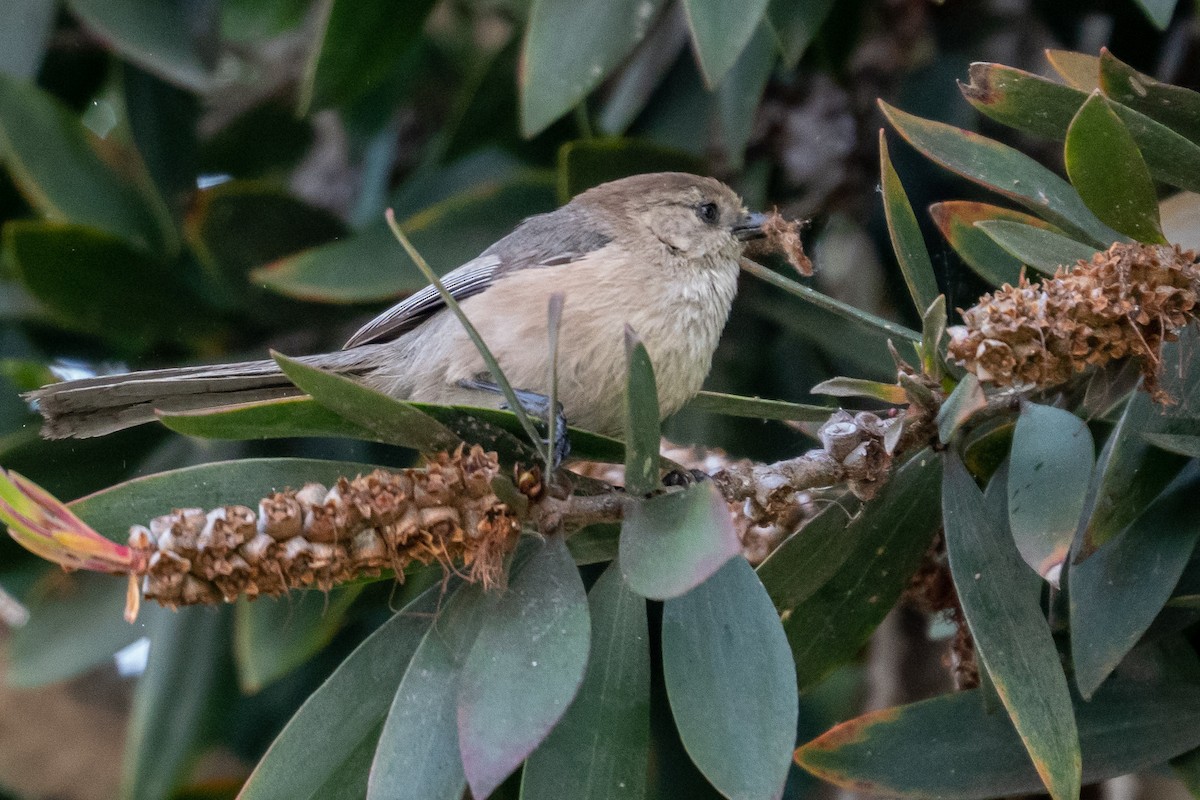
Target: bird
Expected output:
[656,252]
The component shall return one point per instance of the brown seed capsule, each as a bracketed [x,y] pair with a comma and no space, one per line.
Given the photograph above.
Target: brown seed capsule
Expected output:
[280,517]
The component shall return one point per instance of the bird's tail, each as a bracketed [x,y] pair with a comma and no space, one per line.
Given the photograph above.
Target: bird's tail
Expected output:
[96,406]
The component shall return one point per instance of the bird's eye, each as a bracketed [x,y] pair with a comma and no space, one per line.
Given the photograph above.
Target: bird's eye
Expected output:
[708,212]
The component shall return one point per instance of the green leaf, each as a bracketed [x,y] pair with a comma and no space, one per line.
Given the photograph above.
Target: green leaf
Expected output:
[135,502]
[600,747]
[732,405]
[904,751]
[1040,106]
[584,163]
[933,330]
[641,420]
[796,25]
[966,399]
[1118,592]
[96,283]
[53,161]
[857,387]
[1078,69]
[671,543]
[353,702]
[188,653]
[720,31]
[76,622]
[1012,637]
[731,682]
[273,636]
[559,71]
[957,219]
[1002,169]
[266,419]
[161,37]
[24,37]
[525,666]
[740,92]
[1049,471]
[871,324]
[595,544]
[830,613]
[1159,12]
[393,421]
[266,142]
[1106,167]
[1035,246]
[359,42]
[370,266]
[907,241]
[1174,106]
[1182,444]
[418,754]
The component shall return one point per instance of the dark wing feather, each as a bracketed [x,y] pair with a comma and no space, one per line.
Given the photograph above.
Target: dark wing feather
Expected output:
[546,240]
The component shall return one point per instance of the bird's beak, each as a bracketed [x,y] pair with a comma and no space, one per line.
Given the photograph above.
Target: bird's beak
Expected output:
[750,227]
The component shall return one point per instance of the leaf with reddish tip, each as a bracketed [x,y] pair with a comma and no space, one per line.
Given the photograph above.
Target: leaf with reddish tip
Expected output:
[857,387]
[907,241]
[524,667]
[1174,106]
[1050,468]
[956,220]
[1078,69]
[673,542]
[905,751]
[1002,169]
[1118,592]
[1108,170]
[1012,637]
[731,682]
[1036,246]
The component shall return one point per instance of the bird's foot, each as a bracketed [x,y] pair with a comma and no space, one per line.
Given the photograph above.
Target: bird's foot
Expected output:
[685,477]
[538,406]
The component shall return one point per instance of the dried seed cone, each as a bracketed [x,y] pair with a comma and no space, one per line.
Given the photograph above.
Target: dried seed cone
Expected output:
[1125,302]
[322,537]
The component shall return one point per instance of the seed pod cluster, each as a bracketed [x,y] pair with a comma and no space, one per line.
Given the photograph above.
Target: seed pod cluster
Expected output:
[319,537]
[1125,302]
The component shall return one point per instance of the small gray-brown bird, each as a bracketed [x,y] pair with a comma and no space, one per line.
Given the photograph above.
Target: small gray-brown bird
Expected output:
[658,252]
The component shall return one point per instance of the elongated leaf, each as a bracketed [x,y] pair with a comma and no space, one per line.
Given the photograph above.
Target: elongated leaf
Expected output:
[600,747]
[111,511]
[1078,69]
[1159,12]
[1037,247]
[370,266]
[559,71]
[1182,444]
[97,283]
[584,163]
[907,241]
[1041,106]
[966,399]
[731,682]
[904,751]
[343,716]
[829,614]
[417,757]
[275,635]
[720,31]
[1108,170]
[52,159]
[1174,106]
[1049,472]
[731,405]
[76,622]
[1117,593]
[741,91]
[641,420]
[392,420]
[857,387]
[525,666]
[796,25]
[957,219]
[162,37]
[188,651]
[359,44]
[1001,169]
[673,542]
[933,330]
[1012,638]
